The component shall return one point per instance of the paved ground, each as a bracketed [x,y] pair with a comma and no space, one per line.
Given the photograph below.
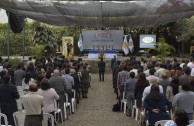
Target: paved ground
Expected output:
[96,110]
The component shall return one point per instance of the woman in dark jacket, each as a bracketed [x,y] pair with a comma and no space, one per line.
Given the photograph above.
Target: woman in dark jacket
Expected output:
[141,84]
[155,103]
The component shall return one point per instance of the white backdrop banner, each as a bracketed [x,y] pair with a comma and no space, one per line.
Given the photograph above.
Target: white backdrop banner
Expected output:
[102,39]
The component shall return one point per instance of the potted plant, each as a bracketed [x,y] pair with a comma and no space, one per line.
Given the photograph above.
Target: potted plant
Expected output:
[162,48]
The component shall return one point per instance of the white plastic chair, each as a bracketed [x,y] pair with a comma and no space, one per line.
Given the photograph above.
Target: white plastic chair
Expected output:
[125,103]
[161,123]
[135,109]
[67,104]
[5,119]
[73,101]
[57,110]
[45,120]
[19,118]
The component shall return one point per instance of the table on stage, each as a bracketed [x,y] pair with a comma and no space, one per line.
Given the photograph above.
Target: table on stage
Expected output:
[109,54]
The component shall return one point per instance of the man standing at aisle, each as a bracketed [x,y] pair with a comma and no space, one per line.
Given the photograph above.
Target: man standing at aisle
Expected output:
[8,96]
[101,66]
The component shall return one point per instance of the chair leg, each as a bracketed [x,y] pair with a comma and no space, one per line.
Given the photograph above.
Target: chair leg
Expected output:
[55,117]
[61,117]
[121,106]
[72,106]
[65,111]
[125,107]
[132,112]
[69,109]
[136,115]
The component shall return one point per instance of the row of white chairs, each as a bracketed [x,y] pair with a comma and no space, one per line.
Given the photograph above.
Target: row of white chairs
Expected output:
[71,106]
[19,119]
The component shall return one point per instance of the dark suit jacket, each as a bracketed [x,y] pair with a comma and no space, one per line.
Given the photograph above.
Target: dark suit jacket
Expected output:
[184,79]
[101,66]
[8,96]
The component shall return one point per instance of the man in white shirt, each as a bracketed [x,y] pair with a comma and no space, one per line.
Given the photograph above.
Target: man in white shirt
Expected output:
[182,64]
[189,64]
[147,89]
[151,72]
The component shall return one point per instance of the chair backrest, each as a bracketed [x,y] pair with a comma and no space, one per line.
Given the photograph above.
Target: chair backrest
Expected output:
[46,118]
[19,88]
[19,118]
[5,119]
[161,123]
[66,97]
[191,121]
[79,75]
[19,104]
[56,105]
[74,92]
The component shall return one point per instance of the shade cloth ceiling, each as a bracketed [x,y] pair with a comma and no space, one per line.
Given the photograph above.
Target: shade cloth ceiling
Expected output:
[136,13]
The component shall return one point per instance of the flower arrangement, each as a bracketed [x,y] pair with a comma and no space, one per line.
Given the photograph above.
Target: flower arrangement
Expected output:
[101,54]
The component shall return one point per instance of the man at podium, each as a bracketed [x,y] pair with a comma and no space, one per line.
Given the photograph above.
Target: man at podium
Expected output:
[69,47]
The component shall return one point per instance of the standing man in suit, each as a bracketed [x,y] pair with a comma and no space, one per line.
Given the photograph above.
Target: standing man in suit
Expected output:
[101,66]
[185,77]
[19,75]
[8,96]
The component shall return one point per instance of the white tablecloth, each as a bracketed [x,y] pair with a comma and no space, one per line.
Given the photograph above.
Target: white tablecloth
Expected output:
[95,56]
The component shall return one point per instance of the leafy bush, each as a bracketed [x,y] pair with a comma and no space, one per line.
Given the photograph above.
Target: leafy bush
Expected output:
[14,61]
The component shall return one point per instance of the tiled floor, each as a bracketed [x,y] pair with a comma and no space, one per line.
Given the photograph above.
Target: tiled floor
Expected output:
[96,110]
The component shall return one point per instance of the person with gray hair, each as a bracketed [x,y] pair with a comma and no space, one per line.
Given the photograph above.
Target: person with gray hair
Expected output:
[59,84]
[33,104]
[146,91]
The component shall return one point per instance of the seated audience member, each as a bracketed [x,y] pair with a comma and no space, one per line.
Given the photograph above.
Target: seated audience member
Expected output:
[184,100]
[155,103]
[8,96]
[49,95]
[180,118]
[129,92]
[171,91]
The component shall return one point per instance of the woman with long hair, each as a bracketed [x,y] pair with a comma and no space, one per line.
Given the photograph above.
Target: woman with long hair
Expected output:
[155,103]
[180,118]
[27,81]
[141,84]
[172,90]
